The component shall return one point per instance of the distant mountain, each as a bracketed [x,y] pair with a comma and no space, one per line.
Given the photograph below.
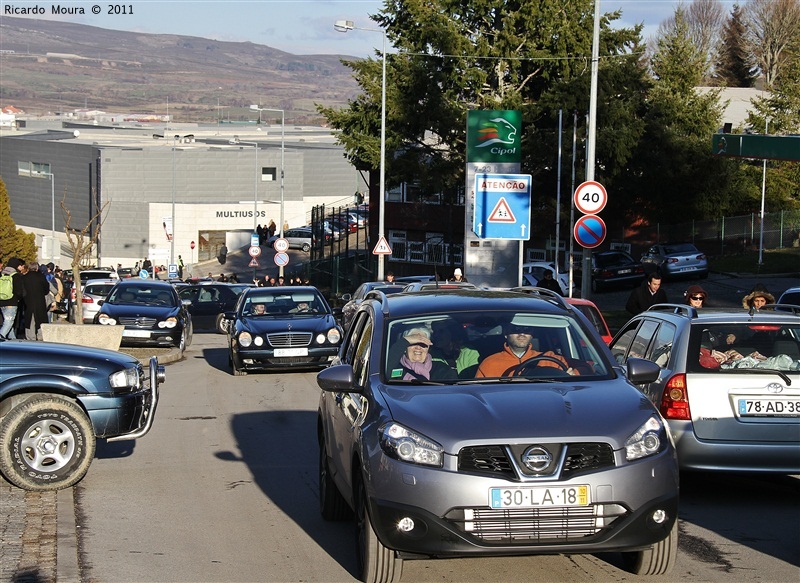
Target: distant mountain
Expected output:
[50,66]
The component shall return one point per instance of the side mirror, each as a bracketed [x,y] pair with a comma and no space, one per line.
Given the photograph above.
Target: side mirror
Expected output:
[641,371]
[338,379]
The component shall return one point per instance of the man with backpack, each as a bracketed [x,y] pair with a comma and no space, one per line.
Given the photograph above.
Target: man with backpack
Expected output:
[11,292]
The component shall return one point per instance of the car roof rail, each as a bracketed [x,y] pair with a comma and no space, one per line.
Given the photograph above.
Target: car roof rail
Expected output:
[377,294]
[545,294]
[679,309]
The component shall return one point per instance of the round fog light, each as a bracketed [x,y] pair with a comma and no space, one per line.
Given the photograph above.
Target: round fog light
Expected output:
[659,516]
[405,524]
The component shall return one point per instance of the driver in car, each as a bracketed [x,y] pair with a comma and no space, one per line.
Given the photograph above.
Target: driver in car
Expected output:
[302,308]
[516,350]
[259,309]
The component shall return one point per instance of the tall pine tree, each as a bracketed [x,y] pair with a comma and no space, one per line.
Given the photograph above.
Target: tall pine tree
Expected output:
[735,66]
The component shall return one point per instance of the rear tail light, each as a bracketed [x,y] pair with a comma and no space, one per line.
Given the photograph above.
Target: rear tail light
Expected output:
[672,260]
[675,399]
[701,257]
[87,300]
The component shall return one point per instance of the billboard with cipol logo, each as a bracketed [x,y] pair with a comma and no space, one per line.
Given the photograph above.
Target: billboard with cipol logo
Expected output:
[494,136]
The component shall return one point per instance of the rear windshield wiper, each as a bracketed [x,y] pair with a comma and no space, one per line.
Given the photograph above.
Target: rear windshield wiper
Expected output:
[780,373]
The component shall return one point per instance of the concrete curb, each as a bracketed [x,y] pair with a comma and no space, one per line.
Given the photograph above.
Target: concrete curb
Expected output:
[67,566]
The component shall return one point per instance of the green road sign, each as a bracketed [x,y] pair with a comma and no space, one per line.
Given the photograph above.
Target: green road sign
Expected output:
[756,146]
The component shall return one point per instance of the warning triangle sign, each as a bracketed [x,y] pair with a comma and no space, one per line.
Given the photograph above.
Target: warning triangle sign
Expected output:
[253,263]
[382,248]
[501,213]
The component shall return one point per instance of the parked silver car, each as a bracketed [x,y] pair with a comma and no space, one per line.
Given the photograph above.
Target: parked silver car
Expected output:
[558,453]
[94,290]
[676,259]
[299,238]
[729,385]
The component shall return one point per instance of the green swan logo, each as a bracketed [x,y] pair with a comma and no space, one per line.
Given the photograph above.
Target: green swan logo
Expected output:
[499,131]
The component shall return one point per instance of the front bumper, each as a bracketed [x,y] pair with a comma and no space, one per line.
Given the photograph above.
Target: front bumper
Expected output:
[451,515]
[125,416]
[151,336]
[257,359]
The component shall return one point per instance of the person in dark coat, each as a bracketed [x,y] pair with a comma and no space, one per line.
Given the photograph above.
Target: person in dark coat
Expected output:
[648,294]
[36,289]
[547,282]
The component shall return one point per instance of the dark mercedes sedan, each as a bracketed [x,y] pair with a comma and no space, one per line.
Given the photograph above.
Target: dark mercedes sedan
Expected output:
[281,328]
[151,312]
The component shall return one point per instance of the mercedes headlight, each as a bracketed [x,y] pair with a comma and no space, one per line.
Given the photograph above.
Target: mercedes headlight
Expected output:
[170,322]
[106,320]
[245,339]
[402,444]
[649,439]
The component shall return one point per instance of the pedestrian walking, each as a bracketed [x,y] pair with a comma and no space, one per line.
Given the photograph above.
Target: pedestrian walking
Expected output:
[648,294]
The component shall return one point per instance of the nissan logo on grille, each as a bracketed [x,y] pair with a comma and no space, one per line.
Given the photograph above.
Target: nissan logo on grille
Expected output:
[536,458]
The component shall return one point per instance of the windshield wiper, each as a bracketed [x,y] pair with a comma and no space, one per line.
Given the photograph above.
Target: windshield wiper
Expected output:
[495,380]
[417,382]
[757,370]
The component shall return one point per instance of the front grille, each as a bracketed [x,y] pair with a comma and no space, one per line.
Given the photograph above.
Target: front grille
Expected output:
[485,459]
[587,457]
[289,339]
[494,460]
[536,525]
[138,321]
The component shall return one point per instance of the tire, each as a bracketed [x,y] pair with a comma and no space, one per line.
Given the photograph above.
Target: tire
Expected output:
[306,247]
[237,372]
[376,563]
[182,341]
[656,560]
[595,287]
[332,505]
[220,329]
[46,443]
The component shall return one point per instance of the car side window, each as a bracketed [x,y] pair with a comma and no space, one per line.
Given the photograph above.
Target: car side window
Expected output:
[661,348]
[361,354]
[620,348]
[643,338]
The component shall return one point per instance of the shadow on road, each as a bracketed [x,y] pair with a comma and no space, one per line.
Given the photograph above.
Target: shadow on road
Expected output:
[280,450]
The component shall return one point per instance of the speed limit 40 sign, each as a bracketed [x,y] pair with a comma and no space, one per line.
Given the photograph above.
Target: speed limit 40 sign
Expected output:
[590,197]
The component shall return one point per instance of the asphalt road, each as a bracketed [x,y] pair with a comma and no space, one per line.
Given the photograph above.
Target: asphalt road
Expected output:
[224,488]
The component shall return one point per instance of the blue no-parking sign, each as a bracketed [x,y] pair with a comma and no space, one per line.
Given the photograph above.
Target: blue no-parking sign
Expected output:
[589,231]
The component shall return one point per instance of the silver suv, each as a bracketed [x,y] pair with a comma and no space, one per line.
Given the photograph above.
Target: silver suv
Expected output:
[729,386]
[555,453]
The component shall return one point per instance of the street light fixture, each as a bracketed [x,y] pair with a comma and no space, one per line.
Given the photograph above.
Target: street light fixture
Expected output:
[344,26]
[283,152]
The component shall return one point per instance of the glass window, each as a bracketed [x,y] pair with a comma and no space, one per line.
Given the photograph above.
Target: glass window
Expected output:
[745,346]
[449,348]
[661,348]
[642,339]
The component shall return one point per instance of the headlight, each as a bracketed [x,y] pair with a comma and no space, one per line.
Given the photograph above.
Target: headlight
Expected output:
[649,439]
[334,336]
[403,444]
[245,339]
[106,320]
[259,341]
[170,322]
[124,378]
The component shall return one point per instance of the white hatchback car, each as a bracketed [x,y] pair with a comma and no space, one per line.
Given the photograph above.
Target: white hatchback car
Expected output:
[533,273]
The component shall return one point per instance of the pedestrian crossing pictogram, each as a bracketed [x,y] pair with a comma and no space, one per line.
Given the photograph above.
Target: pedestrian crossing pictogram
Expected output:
[502,213]
[382,248]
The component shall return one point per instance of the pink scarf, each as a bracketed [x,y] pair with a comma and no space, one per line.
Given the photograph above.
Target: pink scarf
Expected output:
[421,368]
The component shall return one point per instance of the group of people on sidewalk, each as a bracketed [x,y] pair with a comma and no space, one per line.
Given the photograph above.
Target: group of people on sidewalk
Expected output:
[30,295]
[651,293]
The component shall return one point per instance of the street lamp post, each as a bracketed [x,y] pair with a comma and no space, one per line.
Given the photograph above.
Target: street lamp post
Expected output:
[172,238]
[52,216]
[283,152]
[255,189]
[344,26]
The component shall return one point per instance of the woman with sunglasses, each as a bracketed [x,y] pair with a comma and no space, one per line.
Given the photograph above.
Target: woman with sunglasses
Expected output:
[696,296]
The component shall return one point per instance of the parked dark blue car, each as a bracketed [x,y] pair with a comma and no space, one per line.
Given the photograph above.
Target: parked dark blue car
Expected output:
[57,399]
[151,311]
[281,328]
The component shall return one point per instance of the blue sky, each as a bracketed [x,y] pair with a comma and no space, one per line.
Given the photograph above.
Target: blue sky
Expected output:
[295,26]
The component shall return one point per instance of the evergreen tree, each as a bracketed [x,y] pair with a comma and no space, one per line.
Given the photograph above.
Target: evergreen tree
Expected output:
[734,66]
[14,242]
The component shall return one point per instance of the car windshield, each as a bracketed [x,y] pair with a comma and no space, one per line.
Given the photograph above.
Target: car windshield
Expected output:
[745,346]
[142,295]
[281,303]
[484,347]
